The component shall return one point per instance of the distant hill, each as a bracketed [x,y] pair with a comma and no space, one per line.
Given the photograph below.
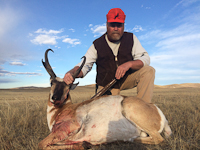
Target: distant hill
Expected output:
[29,87]
[184,85]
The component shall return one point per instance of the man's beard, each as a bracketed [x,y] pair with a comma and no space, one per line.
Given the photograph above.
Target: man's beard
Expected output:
[115,36]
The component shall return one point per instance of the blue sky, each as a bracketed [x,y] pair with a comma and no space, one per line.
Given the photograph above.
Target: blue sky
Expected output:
[168,30]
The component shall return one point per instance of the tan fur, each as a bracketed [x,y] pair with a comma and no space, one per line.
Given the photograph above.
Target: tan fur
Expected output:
[138,111]
[145,116]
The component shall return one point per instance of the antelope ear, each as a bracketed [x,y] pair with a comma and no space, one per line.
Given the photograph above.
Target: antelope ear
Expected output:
[73,86]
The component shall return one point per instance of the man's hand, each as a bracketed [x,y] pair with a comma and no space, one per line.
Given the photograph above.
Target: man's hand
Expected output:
[68,79]
[122,69]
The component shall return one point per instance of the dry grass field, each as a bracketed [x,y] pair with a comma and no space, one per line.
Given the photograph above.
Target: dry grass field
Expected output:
[23,117]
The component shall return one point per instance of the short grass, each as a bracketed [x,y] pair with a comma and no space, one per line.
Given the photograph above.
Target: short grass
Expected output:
[23,118]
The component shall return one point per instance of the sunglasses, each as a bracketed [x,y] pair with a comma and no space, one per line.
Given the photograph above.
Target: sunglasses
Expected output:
[115,24]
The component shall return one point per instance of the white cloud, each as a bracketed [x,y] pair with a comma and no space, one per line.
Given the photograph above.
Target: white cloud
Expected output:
[44,39]
[185,3]
[30,34]
[50,37]
[25,73]
[179,40]
[46,36]
[179,71]
[186,28]
[137,28]
[57,47]
[98,29]
[142,6]
[8,73]
[17,63]
[73,30]
[71,41]
[43,31]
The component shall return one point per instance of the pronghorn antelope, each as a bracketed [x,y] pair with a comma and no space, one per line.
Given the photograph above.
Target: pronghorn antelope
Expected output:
[98,120]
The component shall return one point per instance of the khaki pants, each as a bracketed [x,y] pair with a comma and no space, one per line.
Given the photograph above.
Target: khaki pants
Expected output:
[143,79]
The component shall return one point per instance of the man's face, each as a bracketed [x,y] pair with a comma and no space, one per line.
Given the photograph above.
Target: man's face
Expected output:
[115,30]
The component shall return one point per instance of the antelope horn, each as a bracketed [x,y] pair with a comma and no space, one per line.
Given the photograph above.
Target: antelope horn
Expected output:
[47,65]
[79,69]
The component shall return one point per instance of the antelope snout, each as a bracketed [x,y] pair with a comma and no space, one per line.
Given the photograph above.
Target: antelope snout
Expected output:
[55,98]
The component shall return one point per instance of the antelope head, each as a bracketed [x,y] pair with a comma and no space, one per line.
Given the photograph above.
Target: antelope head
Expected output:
[59,93]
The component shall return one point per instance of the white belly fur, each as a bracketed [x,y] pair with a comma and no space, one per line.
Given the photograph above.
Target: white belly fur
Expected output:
[103,121]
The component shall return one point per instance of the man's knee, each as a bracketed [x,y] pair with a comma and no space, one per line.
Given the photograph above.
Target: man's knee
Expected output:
[149,70]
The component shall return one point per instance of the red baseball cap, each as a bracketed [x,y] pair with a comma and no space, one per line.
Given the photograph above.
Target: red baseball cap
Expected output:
[116,15]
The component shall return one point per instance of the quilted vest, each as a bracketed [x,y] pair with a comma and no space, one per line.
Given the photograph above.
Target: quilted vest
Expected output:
[106,61]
